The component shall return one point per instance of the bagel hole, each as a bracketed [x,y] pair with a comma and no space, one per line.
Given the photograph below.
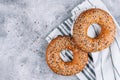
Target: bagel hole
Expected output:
[94,30]
[66,55]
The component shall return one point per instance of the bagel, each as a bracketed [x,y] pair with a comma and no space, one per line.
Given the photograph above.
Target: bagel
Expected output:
[55,62]
[82,23]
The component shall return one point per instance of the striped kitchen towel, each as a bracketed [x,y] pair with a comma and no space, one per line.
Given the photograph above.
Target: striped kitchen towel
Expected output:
[102,65]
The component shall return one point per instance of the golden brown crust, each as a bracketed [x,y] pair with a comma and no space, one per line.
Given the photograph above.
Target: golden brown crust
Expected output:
[54,61]
[104,39]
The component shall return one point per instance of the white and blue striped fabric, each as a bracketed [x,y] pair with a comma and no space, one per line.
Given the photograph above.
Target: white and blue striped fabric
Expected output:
[103,65]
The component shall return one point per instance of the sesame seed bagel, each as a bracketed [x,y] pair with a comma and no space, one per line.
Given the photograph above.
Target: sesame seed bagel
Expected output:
[55,62]
[82,23]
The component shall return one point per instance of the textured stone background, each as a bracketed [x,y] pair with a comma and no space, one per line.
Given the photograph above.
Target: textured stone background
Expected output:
[24,25]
